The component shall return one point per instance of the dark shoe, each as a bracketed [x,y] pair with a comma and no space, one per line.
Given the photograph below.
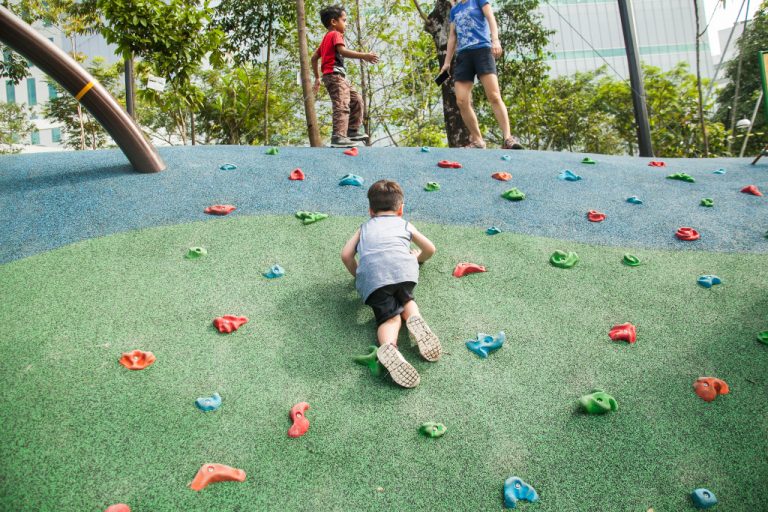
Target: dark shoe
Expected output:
[357,135]
[343,142]
[511,143]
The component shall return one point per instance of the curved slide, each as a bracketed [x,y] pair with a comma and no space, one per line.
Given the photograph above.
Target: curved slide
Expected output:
[80,84]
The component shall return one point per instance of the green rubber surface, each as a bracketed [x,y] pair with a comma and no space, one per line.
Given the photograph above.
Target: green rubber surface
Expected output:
[81,432]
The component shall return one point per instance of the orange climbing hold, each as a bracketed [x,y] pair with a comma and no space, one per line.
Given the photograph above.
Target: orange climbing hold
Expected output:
[752,189]
[351,151]
[623,332]
[137,360]
[229,323]
[120,507]
[687,234]
[300,422]
[220,209]
[501,176]
[296,175]
[709,387]
[462,269]
[212,473]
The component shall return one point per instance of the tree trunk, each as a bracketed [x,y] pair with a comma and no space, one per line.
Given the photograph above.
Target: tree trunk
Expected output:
[363,82]
[438,25]
[192,126]
[73,43]
[698,81]
[266,83]
[306,84]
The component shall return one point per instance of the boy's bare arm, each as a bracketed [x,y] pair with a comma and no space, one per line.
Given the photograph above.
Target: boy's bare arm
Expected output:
[315,59]
[427,248]
[348,253]
[346,52]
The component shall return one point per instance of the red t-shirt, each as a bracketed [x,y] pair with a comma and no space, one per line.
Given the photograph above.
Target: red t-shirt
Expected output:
[332,61]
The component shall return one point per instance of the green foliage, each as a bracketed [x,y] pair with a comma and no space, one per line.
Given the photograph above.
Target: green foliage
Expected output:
[12,66]
[14,127]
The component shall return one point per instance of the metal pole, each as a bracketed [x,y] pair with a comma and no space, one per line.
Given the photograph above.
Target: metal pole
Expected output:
[751,124]
[636,78]
[62,68]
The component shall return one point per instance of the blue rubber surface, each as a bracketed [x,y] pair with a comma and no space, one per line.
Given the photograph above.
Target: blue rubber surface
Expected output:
[50,200]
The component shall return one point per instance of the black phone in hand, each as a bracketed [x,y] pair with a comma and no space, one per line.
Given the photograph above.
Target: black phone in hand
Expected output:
[442,77]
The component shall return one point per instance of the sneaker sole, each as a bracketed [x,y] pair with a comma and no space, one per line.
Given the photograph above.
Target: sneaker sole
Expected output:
[429,346]
[399,369]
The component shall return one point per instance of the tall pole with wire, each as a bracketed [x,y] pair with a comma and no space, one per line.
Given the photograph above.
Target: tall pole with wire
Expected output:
[636,78]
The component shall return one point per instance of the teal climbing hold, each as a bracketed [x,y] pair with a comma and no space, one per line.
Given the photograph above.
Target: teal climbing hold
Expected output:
[195,252]
[486,343]
[351,179]
[631,260]
[506,158]
[682,177]
[493,230]
[513,194]
[208,403]
[274,272]
[515,489]
[371,361]
[588,160]
[310,217]
[432,186]
[719,171]
[272,151]
[763,337]
[708,281]
[228,167]
[598,402]
[432,429]
[564,259]
[708,202]
[568,175]
[634,200]
[703,498]
[425,149]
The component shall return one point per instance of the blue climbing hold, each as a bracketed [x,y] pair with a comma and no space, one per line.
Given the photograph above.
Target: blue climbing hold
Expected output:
[352,179]
[493,230]
[634,200]
[208,403]
[506,158]
[228,167]
[274,272]
[425,149]
[708,281]
[703,498]
[568,175]
[515,489]
[719,171]
[485,344]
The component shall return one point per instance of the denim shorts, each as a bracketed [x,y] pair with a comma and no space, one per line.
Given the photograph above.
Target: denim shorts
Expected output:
[473,62]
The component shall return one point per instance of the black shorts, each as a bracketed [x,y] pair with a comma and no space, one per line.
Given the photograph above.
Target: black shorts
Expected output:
[388,301]
[473,62]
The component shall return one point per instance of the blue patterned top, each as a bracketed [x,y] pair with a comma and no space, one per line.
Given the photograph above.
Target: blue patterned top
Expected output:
[472,29]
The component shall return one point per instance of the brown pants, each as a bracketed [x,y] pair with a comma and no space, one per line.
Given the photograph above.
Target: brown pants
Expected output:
[347,104]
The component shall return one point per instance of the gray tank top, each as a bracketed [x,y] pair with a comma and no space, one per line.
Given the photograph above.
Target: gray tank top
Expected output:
[384,253]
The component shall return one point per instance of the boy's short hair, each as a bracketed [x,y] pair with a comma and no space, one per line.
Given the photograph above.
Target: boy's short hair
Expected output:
[331,12]
[385,195]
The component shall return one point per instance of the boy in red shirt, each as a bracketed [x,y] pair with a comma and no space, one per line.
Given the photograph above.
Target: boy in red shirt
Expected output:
[347,103]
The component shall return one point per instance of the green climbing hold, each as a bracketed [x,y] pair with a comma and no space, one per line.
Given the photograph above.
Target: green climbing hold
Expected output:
[371,361]
[763,337]
[432,186]
[195,252]
[272,151]
[564,259]
[588,160]
[432,429]
[598,402]
[513,194]
[310,217]
[631,260]
[708,202]
[682,177]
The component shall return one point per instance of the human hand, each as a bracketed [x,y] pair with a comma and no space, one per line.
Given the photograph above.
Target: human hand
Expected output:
[446,67]
[496,50]
[316,86]
[371,57]
[416,252]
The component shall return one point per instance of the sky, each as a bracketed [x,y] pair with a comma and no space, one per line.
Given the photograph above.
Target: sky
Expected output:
[724,17]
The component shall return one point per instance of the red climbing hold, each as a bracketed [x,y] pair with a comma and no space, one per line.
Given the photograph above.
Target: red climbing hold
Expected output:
[137,360]
[220,209]
[463,269]
[595,216]
[296,175]
[709,387]
[656,163]
[623,332]
[351,151]
[501,176]
[120,507]
[229,323]
[212,473]
[447,164]
[752,189]
[300,422]
[687,234]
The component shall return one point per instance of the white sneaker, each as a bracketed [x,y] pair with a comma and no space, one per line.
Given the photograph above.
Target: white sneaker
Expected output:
[399,369]
[429,346]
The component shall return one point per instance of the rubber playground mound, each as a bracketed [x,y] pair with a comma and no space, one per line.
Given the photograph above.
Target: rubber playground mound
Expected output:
[95,263]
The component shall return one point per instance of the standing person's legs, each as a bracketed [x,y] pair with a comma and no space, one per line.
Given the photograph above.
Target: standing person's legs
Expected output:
[491,85]
[356,110]
[338,90]
[464,101]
